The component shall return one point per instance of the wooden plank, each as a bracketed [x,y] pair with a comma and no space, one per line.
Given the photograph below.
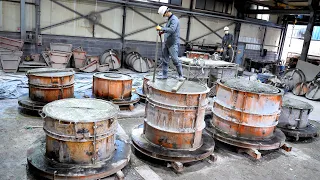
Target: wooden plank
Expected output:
[178,86]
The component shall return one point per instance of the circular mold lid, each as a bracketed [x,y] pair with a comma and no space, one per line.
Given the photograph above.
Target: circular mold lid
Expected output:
[81,110]
[113,76]
[51,72]
[242,84]
[295,103]
[188,87]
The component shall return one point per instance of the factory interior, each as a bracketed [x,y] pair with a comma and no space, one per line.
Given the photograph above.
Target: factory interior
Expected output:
[159,89]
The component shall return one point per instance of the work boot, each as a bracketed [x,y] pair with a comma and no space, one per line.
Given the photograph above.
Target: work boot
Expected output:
[179,70]
[181,78]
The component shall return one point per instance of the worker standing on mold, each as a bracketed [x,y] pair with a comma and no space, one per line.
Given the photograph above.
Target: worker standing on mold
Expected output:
[172,42]
[227,42]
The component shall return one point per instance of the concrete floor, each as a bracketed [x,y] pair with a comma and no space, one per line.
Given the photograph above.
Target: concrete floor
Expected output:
[302,162]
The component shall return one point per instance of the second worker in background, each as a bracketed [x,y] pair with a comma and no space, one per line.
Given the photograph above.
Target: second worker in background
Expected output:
[172,42]
[227,42]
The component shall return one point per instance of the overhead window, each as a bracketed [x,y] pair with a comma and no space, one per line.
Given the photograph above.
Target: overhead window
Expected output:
[215,5]
[261,16]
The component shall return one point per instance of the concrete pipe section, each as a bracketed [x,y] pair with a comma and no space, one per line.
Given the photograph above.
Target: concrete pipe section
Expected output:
[245,114]
[115,87]
[80,141]
[174,123]
[294,119]
[47,85]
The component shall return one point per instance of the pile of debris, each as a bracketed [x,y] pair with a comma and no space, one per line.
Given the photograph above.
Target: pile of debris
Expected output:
[10,54]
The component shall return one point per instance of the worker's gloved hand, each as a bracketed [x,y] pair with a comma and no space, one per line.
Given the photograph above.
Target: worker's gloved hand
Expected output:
[229,46]
[221,50]
[158,28]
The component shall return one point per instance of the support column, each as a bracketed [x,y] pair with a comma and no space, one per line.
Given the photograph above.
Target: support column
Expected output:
[313,6]
[123,33]
[23,19]
[282,39]
[1,26]
[37,31]
[189,22]
[237,29]
[307,37]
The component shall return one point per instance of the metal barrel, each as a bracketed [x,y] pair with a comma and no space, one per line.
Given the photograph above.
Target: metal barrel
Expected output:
[80,131]
[294,114]
[49,84]
[112,86]
[175,120]
[245,109]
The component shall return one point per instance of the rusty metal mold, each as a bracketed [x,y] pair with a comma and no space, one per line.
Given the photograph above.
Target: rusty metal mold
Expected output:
[142,144]
[313,93]
[310,131]
[177,117]
[294,119]
[276,142]
[28,106]
[81,133]
[197,55]
[174,123]
[294,114]
[48,84]
[246,110]
[112,86]
[138,63]
[44,167]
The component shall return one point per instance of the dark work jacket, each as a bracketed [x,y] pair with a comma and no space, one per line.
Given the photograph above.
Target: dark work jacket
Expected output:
[227,40]
[172,31]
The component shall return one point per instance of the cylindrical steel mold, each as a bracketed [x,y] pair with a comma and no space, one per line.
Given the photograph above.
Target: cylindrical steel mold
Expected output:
[48,84]
[112,86]
[294,114]
[246,109]
[80,131]
[175,120]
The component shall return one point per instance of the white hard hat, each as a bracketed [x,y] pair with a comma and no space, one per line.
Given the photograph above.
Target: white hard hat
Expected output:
[226,28]
[162,10]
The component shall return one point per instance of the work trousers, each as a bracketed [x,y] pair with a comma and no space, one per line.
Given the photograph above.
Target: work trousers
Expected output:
[172,51]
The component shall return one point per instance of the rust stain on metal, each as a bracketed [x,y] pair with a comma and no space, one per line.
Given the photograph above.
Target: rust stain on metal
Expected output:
[244,114]
[47,85]
[175,120]
[111,87]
